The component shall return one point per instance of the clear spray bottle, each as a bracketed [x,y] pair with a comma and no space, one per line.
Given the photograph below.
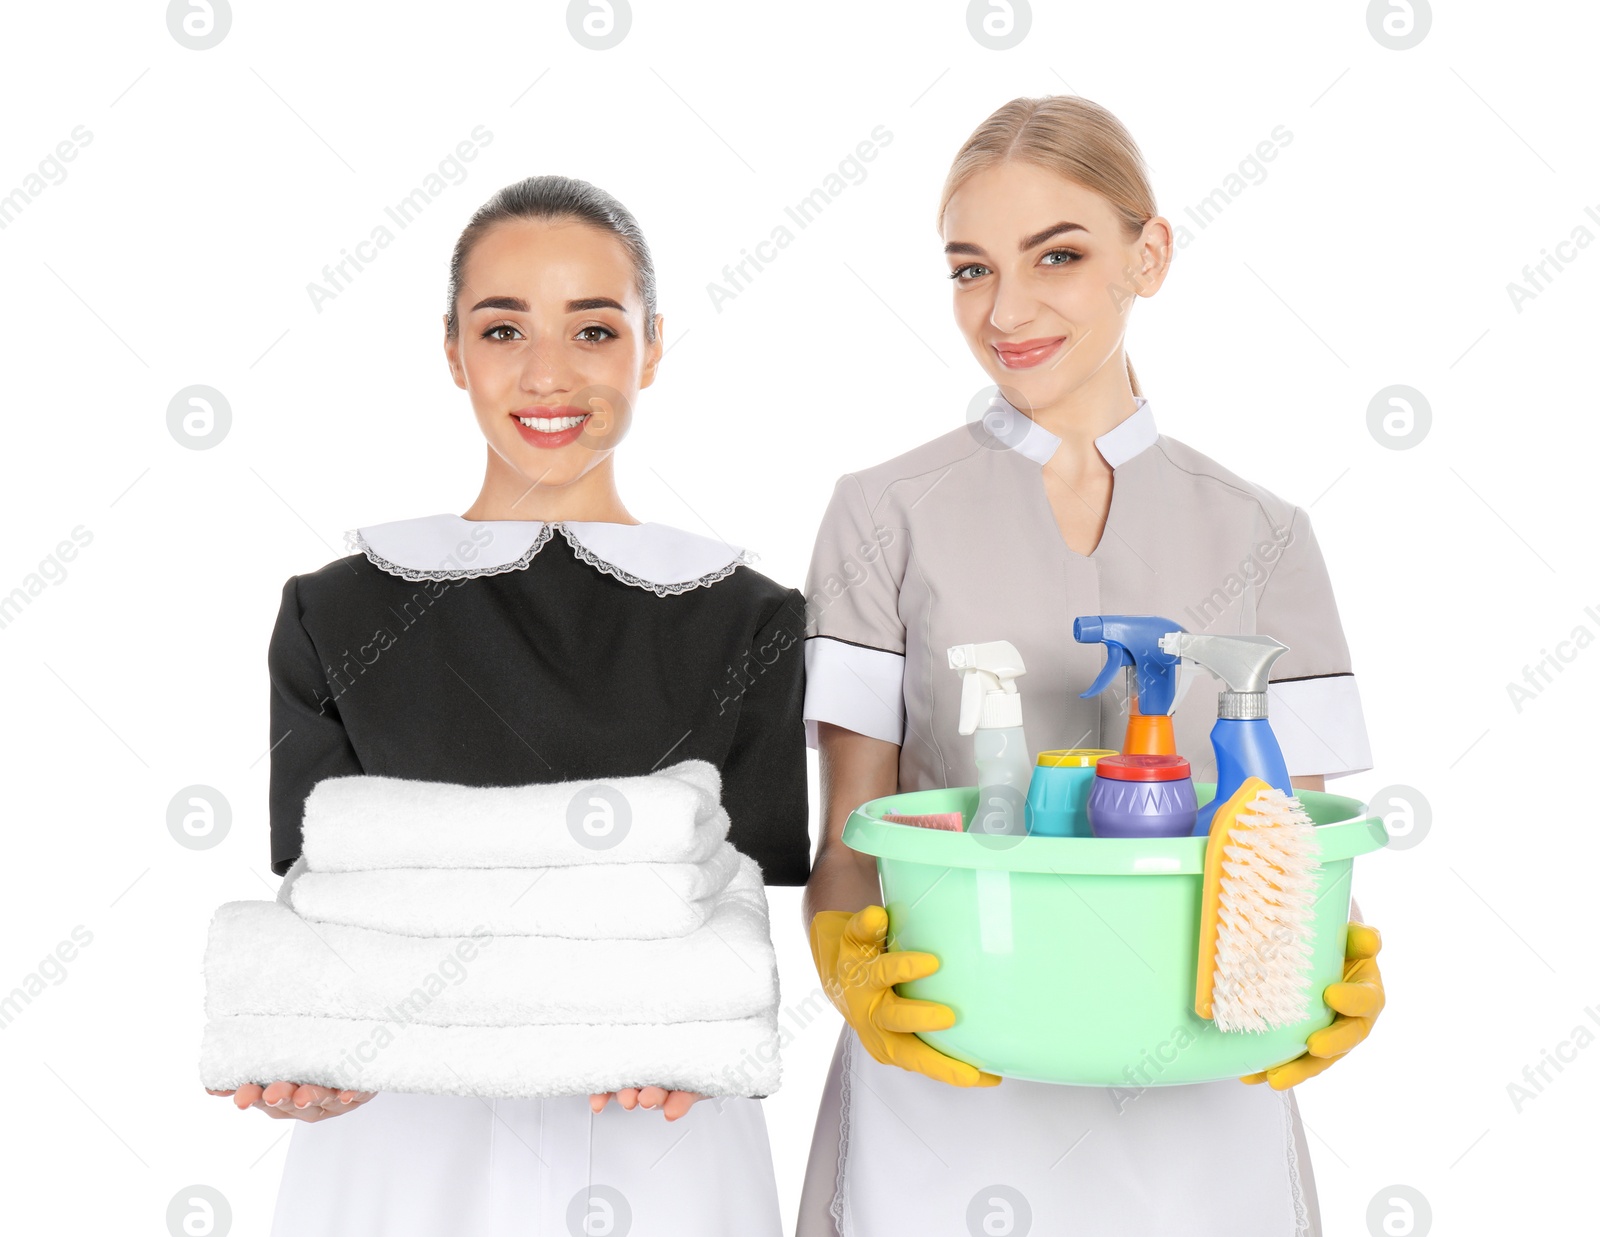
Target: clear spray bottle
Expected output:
[991,711]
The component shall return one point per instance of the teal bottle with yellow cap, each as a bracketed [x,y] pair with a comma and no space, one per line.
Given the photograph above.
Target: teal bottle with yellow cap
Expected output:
[1058,794]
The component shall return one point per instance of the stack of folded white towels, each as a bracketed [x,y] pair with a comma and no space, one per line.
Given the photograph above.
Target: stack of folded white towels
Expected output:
[551,939]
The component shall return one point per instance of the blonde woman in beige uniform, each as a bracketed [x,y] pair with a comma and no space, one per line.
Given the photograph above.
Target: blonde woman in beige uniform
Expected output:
[1008,529]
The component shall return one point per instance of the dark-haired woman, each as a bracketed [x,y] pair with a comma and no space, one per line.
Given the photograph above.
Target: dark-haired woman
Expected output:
[542,635]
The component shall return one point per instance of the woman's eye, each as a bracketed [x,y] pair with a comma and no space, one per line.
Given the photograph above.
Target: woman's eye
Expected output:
[1067,256]
[604,333]
[970,271]
[491,332]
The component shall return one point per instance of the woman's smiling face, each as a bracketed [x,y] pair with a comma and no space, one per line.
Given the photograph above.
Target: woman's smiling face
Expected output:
[1044,276]
[551,346]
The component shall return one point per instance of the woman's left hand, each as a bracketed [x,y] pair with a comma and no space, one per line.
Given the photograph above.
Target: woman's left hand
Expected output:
[302,1102]
[1358,1001]
[673,1104]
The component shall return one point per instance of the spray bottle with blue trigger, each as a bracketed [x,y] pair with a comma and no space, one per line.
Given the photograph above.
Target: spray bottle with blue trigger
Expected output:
[1133,645]
[1242,738]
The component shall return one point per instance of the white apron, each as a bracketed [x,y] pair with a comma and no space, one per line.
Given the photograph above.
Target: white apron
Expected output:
[406,1165]
[896,1152]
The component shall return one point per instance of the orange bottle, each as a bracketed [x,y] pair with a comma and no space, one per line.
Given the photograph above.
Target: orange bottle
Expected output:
[1148,735]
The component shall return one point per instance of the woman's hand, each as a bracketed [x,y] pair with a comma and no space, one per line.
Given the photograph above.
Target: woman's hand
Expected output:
[296,1101]
[1357,1001]
[858,976]
[673,1104]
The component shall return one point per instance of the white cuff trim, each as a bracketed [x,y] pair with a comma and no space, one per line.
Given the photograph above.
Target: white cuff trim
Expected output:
[855,687]
[1319,725]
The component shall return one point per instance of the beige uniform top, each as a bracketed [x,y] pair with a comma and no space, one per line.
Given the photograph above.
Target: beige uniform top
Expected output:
[955,542]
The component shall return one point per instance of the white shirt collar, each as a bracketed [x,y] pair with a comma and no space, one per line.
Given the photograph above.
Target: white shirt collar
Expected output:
[654,556]
[1023,434]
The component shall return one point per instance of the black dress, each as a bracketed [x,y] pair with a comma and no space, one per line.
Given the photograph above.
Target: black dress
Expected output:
[496,653]
[499,653]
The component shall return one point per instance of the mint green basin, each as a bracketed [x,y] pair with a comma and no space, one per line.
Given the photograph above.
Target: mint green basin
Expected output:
[1072,960]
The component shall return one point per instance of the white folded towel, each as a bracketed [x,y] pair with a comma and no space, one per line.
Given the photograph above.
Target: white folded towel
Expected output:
[263,959]
[732,1057]
[620,900]
[523,941]
[366,821]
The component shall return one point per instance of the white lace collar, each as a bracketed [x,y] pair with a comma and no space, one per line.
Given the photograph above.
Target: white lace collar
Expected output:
[657,557]
[1024,435]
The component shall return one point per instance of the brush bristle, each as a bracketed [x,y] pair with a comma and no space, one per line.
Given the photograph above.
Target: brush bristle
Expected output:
[1264,916]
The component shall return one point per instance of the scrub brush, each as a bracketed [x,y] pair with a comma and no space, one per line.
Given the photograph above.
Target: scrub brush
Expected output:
[1256,912]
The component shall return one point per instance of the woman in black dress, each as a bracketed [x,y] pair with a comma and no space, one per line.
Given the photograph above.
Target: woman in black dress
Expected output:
[543,635]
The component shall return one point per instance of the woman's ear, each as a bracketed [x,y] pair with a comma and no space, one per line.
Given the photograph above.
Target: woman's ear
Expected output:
[452,354]
[652,356]
[1154,250]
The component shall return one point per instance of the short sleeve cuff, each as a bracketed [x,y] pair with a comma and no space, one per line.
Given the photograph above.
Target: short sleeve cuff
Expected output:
[1319,725]
[854,686]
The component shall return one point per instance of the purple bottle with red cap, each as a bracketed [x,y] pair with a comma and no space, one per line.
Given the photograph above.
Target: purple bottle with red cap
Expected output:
[1142,796]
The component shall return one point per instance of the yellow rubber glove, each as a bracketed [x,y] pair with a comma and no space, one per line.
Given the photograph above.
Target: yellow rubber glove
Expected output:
[1358,1001]
[859,977]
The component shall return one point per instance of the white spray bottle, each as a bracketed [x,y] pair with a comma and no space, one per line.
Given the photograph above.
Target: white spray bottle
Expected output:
[991,709]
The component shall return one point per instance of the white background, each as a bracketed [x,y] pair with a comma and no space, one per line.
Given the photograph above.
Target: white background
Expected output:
[1377,251]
